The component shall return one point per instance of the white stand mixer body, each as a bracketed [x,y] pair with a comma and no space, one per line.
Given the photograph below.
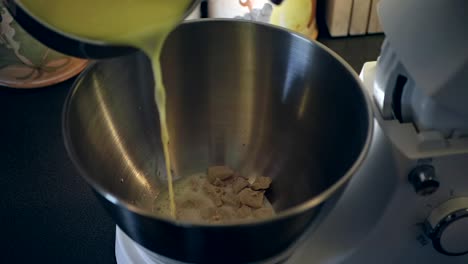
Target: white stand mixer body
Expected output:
[381,219]
[409,201]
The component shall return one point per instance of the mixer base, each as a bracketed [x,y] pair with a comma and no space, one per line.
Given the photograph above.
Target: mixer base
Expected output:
[127,251]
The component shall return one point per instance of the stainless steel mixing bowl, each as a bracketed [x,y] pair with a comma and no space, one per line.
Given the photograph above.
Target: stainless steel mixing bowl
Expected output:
[260,99]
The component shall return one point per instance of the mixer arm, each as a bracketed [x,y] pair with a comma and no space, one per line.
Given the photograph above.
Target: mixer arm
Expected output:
[423,69]
[421,78]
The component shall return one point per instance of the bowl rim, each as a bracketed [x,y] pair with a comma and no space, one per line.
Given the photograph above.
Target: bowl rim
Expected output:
[292,211]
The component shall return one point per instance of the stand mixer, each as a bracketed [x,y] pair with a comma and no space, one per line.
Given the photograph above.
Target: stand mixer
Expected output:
[409,201]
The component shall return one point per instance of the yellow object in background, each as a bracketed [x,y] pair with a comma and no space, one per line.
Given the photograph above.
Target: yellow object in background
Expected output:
[297,15]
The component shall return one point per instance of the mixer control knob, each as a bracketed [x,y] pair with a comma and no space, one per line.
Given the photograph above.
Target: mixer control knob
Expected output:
[447,226]
[424,180]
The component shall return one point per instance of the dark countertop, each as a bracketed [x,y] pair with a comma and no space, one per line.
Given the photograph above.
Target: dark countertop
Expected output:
[49,214]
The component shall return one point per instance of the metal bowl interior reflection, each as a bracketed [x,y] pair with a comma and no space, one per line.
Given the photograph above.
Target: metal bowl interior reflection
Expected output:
[257,98]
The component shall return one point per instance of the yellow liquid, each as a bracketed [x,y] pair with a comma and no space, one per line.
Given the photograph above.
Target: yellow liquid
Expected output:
[143,24]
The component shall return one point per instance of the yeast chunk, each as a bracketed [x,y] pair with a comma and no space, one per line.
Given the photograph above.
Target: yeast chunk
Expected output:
[261,183]
[239,184]
[219,172]
[251,198]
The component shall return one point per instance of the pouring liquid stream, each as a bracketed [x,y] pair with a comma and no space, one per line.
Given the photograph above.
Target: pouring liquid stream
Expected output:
[143,24]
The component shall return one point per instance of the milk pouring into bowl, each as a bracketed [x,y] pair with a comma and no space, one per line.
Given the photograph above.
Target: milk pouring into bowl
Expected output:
[249,126]
[141,24]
